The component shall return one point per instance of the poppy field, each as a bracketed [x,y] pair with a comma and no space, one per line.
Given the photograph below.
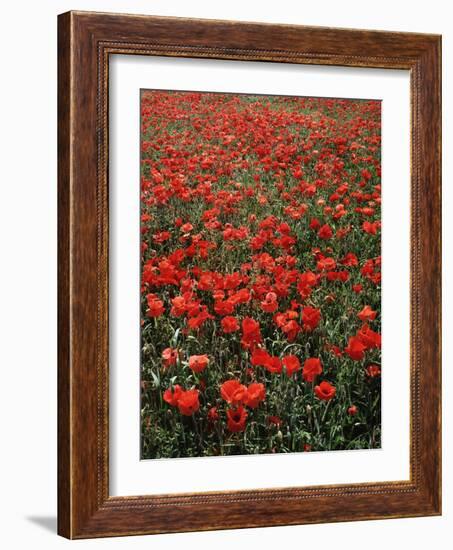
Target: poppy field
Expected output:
[260,274]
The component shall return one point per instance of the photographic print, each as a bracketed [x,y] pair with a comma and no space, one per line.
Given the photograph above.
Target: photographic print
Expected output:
[260,274]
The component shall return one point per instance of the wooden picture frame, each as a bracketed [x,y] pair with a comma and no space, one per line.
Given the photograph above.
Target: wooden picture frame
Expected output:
[85,42]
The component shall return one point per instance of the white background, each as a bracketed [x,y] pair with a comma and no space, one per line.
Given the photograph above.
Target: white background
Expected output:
[128,475]
[28,275]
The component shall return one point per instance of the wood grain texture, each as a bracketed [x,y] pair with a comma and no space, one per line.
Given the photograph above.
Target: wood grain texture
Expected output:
[64,368]
[86,40]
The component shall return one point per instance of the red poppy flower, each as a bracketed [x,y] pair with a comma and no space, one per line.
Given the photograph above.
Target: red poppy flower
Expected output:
[370,227]
[292,364]
[353,410]
[315,224]
[325,232]
[270,304]
[310,317]
[326,264]
[198,362]
[306,282]
[312,368]
[273,365]
[169,356]
[155,306]
[229,324]
[367,314]
[198,318]
[355,349]
[260,357]
[368,337]
[179,306]
[233,392]
[161,237]
[350,260]
[242,296]
[236,419]
[251,333]
[171,396]
[325,391]
[286,322]
[256,393]
[224,307]
[186,228]
[188,403]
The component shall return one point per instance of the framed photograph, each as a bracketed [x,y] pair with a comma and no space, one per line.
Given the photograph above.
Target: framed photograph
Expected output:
[249,275]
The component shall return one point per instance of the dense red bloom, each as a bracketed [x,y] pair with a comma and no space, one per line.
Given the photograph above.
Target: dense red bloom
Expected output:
[270,304]
[355,348]
[326,264]
[155,306]
[258,236]
[312,368]
[308,279]
[224,307]
[229,324]
[169,356]
[251,333]
[179,306]
[198,317]
[242,296]
[287,323]
[342,276]
[161,237]
[292,364]
[315,224]
[233,392]
[291,329]
[187,227]
[171,396]
[260,357]
[311,317]
[367,314]
[368,337]
[198,362]
[306,282]
[256,393]
[236,419]
[325,391]
[325,232]
[350,260]
[370,227]
[366,174]
[273,365]
[188,403]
